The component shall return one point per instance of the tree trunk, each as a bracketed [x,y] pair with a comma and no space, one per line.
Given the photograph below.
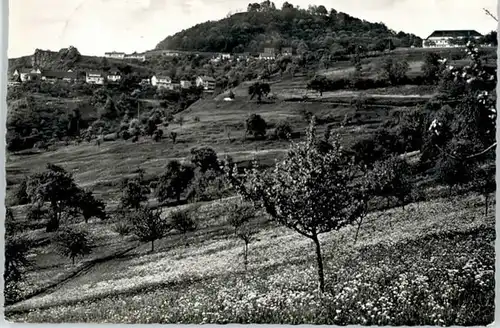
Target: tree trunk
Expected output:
[319,259]
[73,260]
[152,246]
[246,256]
[178,196]
[486,198]
[357,230]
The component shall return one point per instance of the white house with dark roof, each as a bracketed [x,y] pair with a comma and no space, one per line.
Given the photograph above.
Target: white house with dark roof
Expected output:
[114,76]
[26,74]
[161,81]
[443,38]
[115,55]
[207,82]
[94,77]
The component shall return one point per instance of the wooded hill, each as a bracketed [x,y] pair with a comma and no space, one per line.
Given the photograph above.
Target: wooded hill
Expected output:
[313,29]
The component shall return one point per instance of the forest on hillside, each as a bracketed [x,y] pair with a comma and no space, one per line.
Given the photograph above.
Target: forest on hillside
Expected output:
[314,28]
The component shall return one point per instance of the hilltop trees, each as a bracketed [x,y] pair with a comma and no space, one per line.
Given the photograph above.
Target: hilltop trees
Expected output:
[308,191]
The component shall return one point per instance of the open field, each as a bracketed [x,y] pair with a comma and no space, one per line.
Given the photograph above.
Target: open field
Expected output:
[203,280]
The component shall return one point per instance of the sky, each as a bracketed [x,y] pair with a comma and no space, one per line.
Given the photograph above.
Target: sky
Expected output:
[98,26]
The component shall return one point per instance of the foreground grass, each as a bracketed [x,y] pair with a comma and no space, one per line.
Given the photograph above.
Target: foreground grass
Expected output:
[435,265]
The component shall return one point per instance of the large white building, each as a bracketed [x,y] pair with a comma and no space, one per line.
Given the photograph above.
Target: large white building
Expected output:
[444,38]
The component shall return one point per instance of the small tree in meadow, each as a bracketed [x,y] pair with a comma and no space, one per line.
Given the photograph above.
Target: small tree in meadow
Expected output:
[392,178]
[452,172]
[173,136]
[256,126]
[394,70]
[319,83]
[148,225]
[73,243]
[484,183]
[239,217]
[308,191]
[183,221]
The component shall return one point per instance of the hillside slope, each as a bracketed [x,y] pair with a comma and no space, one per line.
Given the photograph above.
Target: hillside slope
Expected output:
[312,28]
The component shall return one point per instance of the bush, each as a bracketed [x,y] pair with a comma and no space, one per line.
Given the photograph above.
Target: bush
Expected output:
[182,221]
[283,130]
[73,243]
[122,228]
[256,126]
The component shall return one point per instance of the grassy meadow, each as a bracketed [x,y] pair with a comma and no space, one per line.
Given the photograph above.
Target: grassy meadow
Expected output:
[431,263]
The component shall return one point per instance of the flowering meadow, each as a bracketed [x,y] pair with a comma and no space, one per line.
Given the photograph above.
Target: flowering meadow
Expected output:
[434,265]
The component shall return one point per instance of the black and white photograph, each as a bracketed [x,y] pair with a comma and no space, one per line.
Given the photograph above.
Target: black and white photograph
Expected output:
[231,162]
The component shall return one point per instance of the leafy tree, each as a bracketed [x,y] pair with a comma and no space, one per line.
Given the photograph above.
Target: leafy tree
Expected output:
[307,191]
[472,115]
[452,172]
[256,126]
[205,158]
[392,178]
[174,181]
[20,195]
[394,70]
[240,216]
[109,110]
[432,67]
[73,243]
[148,225]
[91,207]
[259,89]
[16,263]
[207,185]
[57,187]
[134,192]
[320,84]
[182,221]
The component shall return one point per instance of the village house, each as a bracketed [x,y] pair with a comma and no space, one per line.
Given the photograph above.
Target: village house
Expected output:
[94,77]
[161,81]
[26,74]
[185,84]
[145,82]
[115,55]
[114,76]
[442,38]
[268,54]
[170,53]
[175,85]
[136,56]
[53,76]
[287,51]
[207,82]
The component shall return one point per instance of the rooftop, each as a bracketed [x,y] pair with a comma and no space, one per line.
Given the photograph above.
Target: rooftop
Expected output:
[455,33]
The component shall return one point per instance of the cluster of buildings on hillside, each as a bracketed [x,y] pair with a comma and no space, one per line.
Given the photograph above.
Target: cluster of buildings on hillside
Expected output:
[112,76]
[267,54]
